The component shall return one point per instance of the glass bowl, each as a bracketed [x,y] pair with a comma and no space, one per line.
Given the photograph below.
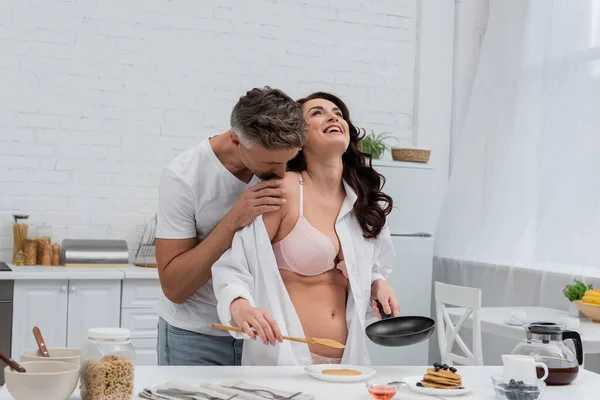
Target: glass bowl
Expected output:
[381,390]
[510,389]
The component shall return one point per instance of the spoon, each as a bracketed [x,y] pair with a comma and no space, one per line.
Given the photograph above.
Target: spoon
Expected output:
[323,342]
[40,342]
[12,363]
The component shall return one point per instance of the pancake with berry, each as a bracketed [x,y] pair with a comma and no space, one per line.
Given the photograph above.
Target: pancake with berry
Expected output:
[444,374]
[441,376]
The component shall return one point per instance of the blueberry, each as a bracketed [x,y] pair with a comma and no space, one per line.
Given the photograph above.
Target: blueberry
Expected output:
[419,384]
[513,384]
[452,369]
[444,366]
[512,395]
[436,364]
[437,369]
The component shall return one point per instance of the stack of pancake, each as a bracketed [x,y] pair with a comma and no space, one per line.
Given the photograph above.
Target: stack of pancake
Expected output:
[440,378]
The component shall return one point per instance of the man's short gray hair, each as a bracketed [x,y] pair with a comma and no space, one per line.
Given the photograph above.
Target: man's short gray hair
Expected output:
[270,118]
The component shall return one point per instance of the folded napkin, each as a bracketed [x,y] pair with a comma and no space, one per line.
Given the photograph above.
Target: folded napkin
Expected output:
[224,391]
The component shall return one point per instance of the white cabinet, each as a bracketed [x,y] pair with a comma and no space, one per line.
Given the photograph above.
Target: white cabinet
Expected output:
[139,314]
[141,293]
[65,302]
[63,310]
[42,303]
[92,304]
[142,322]
[145,351]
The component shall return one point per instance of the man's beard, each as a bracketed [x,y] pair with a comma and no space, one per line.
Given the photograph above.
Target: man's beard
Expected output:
[267,176]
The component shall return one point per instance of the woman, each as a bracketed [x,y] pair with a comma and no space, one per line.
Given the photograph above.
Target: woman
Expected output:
[331,250]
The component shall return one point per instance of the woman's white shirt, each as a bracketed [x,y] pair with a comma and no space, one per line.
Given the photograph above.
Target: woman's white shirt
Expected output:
[249,270]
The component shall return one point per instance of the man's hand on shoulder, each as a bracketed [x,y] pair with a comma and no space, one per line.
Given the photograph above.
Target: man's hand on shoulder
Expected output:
[264,197]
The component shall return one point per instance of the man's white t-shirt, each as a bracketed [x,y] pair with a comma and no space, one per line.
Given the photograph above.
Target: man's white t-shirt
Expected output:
[195,192]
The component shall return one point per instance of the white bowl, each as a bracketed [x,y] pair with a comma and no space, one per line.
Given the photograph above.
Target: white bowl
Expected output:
[72,356]
[48,380]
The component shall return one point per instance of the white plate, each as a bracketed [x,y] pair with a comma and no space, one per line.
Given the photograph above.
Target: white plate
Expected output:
[316,372]
[411,381]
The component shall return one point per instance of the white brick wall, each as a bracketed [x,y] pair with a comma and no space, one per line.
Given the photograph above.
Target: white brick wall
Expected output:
[96,95]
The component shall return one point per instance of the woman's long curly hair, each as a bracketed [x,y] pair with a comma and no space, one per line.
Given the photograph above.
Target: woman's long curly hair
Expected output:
[372,206]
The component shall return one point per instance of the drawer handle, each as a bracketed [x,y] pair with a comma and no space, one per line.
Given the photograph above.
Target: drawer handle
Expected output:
[73,288]
[416,234]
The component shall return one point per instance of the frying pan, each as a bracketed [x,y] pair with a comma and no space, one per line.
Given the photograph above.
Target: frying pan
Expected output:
[399,331]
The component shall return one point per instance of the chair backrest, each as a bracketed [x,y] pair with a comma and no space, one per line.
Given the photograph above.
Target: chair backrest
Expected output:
[448,332]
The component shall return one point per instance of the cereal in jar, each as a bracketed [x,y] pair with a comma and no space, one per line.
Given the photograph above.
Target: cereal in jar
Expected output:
[107,365]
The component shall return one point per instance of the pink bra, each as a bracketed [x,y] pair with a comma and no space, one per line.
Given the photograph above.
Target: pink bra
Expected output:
[306,250]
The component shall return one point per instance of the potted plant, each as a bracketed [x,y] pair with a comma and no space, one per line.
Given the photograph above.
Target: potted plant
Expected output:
[573,292]
[374,144]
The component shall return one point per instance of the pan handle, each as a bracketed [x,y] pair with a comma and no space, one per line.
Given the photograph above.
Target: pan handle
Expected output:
[383,314]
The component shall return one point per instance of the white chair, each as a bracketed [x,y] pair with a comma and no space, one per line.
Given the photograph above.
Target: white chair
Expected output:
[448,333]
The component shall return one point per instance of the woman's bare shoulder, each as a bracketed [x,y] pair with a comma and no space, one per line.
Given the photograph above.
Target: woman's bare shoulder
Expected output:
[290,186]
[290,181]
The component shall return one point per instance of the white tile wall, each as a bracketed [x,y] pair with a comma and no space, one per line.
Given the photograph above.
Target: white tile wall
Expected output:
[96,95]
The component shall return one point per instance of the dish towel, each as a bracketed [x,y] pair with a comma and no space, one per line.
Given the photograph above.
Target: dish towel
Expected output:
[223,391]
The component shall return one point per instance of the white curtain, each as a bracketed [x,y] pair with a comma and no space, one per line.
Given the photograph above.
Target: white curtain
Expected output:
[525,183]
[521,216]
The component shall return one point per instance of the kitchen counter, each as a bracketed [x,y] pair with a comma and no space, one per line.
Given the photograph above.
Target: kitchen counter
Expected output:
[295,379]
[64,273]
[64,302]
[134,272]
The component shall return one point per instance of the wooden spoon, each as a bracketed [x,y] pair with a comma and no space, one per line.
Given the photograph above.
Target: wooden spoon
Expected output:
[323,342]
[12,363]
[40,342]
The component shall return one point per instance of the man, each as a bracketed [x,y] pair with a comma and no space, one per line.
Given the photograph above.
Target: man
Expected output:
[206,194]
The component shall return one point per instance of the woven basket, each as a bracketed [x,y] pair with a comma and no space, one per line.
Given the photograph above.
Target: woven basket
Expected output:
[411,155]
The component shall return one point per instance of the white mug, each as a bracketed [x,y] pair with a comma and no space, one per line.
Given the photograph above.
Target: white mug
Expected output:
[522,368]
[517,316]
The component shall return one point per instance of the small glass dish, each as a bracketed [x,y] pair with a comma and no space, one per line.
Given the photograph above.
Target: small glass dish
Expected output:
[511,389]
[382,391]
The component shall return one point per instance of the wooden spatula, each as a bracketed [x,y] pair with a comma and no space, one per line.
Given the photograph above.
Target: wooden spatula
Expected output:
[323,342]
[40,342]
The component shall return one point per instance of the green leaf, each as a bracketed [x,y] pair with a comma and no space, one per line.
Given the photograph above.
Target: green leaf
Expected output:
[375,143]
[576,291]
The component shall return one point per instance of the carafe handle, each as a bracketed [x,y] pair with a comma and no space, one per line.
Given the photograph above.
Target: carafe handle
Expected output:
[574,336]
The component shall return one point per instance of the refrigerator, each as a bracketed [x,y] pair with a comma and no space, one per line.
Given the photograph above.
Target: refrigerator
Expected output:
[412,224]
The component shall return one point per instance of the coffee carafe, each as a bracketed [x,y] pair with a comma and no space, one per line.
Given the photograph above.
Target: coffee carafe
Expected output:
[545,343]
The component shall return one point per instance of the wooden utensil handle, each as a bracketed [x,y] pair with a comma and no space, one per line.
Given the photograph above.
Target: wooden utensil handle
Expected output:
[240,330]
[40,342]
[296,339]
[227,328]
[12,363]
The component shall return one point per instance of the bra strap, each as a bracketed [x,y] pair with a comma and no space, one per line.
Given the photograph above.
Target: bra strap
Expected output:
[301,193]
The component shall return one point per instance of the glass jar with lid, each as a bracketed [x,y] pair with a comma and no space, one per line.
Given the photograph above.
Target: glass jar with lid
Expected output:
[107,365]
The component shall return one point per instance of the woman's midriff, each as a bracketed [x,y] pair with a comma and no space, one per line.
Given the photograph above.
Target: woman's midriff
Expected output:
[320,302]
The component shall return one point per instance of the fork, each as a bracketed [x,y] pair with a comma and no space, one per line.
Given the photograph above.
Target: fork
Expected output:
[274,396]
[189,395]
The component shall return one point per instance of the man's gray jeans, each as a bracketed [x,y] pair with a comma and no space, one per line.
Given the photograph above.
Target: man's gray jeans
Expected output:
[178,346]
